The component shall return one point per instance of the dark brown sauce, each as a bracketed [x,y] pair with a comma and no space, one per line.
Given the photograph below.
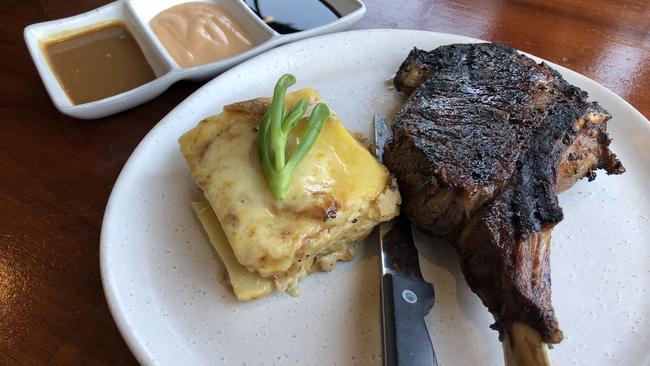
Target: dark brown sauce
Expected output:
[98,63]
[290,16]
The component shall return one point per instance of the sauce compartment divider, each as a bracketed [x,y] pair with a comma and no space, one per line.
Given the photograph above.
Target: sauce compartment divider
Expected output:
[135,15]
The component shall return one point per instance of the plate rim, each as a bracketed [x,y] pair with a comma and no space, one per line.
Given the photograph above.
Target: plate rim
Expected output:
[141,352]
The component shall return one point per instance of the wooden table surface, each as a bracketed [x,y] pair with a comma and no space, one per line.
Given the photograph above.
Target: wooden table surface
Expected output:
[56,173]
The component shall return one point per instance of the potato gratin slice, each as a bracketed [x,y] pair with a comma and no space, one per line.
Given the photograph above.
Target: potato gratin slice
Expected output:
[338,193]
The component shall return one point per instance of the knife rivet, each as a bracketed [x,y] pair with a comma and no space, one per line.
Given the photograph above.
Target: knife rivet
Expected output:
[409,296]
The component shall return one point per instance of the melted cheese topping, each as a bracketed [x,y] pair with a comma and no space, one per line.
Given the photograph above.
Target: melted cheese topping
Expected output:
[338,193]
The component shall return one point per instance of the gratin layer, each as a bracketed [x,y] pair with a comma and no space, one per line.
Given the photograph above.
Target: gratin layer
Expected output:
[338,193]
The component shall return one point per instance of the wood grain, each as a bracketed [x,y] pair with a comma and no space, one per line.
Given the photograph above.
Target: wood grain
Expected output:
[57,172]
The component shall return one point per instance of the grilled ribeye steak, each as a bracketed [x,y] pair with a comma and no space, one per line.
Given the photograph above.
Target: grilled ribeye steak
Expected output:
[483,145]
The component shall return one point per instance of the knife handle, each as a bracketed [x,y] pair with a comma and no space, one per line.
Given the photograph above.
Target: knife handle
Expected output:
[406,338]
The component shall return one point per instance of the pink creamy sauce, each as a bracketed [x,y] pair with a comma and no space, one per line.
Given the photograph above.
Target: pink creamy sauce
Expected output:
[197,33]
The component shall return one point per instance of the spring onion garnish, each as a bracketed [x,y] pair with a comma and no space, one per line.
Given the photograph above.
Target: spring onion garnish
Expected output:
[274,131]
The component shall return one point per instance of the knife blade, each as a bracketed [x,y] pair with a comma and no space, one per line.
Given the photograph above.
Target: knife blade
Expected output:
[405,296]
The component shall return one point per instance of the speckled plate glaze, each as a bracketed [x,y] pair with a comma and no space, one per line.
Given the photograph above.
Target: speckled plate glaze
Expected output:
[165,285]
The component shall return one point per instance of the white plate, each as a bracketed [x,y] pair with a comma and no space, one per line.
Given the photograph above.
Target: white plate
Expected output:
[164,284]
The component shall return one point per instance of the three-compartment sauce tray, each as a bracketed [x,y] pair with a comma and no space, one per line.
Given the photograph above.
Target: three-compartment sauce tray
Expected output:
[135,17]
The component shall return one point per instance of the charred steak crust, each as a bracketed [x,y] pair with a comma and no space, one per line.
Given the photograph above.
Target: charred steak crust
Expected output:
[481,148]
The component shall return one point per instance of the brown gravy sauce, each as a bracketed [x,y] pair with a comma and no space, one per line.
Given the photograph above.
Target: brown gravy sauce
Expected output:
[197,33]
[98,63]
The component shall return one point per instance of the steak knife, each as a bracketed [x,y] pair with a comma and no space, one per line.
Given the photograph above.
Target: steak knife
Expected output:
[405,296]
